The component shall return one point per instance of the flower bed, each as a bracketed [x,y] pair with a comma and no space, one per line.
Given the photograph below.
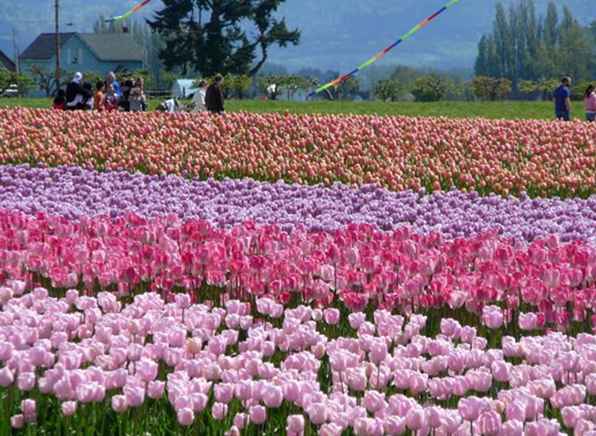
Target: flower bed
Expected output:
[150,303]
[74,193]
[360,266]
[235,369]
[542,158]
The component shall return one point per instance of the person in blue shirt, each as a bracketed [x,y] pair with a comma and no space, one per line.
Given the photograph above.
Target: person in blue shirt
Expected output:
[562,97]
[111,80]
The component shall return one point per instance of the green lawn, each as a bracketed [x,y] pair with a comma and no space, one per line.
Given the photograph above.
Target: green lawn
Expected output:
[457,109]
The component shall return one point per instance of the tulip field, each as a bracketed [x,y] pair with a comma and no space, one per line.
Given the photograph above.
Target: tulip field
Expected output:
[275,274]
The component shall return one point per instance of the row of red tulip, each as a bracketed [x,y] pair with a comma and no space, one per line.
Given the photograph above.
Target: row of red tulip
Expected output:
[539,157]
[360,265]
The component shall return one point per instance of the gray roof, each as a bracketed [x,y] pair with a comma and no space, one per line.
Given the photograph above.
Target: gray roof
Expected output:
[106,46]
[44,46]
[113,46]
[6,62]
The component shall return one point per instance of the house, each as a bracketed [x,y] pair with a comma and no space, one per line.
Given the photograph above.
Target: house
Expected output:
[6,63]
[184,88]
[96,53]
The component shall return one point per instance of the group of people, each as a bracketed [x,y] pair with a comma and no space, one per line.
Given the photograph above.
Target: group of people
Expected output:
[207,98]
[109,95]
[562,98]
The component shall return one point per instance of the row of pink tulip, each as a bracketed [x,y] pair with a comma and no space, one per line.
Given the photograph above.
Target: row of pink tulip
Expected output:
[359,265]
[385,376]
[540,157]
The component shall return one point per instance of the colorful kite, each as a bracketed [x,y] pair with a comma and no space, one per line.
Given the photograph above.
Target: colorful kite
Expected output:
[135,9]
[382,53]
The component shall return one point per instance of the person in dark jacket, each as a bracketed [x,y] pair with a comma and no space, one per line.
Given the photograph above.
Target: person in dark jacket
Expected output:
[214,98]
[76,94]
[124,101]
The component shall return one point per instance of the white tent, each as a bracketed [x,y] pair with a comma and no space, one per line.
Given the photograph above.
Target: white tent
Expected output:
[183,88]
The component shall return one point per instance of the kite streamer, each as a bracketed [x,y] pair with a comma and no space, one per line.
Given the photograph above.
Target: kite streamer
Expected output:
[383,52]
[135,9]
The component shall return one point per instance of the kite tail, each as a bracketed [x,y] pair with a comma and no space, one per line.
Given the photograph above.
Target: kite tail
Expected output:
[382,53]
[134,10]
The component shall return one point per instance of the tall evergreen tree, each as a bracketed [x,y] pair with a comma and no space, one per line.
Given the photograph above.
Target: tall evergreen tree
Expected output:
[551,26]
[574,48]
[523,47]
[213,36]
[503,42]
[481,65]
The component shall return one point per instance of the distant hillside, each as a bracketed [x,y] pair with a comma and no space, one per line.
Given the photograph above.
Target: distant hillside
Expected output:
[336,33]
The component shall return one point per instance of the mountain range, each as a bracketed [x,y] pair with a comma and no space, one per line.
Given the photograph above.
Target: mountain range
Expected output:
[336,34]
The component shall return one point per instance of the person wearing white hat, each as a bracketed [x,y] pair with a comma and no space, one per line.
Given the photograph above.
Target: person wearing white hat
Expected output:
[76,94]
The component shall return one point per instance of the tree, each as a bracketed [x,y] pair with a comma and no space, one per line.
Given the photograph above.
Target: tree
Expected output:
[574,48]
[237,86]
[45,80]
[9,79]
[551,26]
[388,90]
[490,88]
[524,47]
[544,87]
[213,36]
[348,89]
[481,66]
[431,88]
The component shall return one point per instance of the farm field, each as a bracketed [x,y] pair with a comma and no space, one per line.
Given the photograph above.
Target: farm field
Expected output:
[493,110]
[285,274]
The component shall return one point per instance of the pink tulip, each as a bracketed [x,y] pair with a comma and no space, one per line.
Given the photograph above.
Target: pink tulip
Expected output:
[331,316]
[295,424]
[512,428]
[26,381]
[240,420]
[69,408]
[155,389]
[29,409]
[492,317]
[119,403]
[6,377]
[219,411]
[356,319]
[17,421]
[185,417]
[273,396]
[416,419]
[527,321]
[317,413]
[489,422]
[258,415]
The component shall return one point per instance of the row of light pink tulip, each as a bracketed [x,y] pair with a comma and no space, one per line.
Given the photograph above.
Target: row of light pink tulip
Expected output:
[540,157]
[359,265]
[385,377]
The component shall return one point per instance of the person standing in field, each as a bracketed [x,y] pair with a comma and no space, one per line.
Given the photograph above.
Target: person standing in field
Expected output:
[562,98]
[137,99]
[99,97]
[198,100]
[590,103]
[110,99]
[214,97]
[112,83]
[76,94]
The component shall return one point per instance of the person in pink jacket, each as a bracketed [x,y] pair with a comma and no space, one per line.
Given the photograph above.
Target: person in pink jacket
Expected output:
[590,102]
